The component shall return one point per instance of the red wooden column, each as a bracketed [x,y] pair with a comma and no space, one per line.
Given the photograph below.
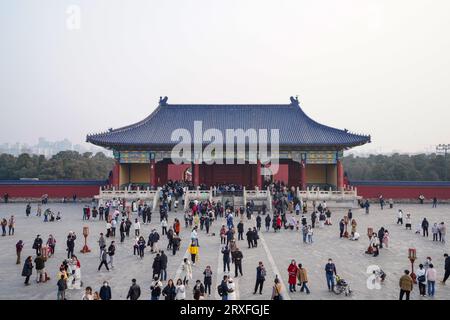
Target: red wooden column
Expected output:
[258,175]
[196,173]
[340,175]
[152,173]
[303,175]
[116,175]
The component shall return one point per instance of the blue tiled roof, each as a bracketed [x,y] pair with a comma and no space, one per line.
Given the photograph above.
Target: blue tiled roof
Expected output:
[295,127]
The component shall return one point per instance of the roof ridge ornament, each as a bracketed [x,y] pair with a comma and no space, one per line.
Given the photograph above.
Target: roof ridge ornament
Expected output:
[294,101]
[163,101]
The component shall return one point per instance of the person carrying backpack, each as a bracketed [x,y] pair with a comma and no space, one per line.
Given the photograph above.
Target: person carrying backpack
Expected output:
[156,288]
[260,277]
[222,289]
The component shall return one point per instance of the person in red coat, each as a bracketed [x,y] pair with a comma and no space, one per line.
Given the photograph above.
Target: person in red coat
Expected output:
[292,271]
[278,222]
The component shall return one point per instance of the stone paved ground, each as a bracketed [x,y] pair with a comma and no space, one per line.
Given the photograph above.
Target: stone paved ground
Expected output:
[274,249]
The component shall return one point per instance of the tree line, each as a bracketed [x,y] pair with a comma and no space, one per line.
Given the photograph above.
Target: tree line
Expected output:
[72,165]
[402,167]
[68,165]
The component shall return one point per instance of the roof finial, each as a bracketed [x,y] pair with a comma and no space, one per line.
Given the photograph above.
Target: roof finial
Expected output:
[294,101]
[163,101]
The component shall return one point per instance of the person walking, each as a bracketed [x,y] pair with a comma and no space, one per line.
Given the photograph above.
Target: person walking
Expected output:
[260,277]
[103,258]
[421,280]
[11,225]
[101,243]
[105,291]
[305,233]
[223,288]
[156,266]
[27,270]
[431,276]
[180,290]
[446,268]
[267,221]
[193,250]
[134,292]
[302,277]
[111,253]
[155,289]
[425,225]
[434,202]
[442,232]
[186,271]
[255,237]
[19,247]
[207,279]
[406,285]
[258,222]
[292,272]
[330,272]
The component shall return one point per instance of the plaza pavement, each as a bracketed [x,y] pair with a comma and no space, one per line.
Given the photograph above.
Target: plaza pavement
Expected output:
[275,249]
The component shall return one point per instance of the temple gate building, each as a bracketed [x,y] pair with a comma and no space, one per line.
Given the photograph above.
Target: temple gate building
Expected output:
[310,153]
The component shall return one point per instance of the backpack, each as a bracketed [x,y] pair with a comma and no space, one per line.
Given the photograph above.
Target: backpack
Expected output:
[220,290]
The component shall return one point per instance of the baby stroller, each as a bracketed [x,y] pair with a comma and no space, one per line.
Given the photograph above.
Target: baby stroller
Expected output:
[342,286]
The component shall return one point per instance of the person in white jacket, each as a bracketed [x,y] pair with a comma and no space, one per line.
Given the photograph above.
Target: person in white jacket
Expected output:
[137,227]
[421,279]
[164,225]
[186,271]
[231,289]
[180,290]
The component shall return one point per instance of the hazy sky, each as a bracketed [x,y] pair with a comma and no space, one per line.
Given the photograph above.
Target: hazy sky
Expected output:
[375,67]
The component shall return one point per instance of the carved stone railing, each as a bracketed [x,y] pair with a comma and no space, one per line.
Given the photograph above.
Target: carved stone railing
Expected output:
[323,195]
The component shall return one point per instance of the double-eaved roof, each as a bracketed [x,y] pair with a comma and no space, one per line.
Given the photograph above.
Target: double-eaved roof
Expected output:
[296,129]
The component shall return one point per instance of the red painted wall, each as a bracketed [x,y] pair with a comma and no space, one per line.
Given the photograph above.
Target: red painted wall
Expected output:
[53,191]
[403,192]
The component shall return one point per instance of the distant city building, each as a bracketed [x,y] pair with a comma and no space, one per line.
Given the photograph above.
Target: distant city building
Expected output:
[48,148]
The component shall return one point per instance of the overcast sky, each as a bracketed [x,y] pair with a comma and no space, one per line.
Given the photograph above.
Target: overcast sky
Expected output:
[375,67]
